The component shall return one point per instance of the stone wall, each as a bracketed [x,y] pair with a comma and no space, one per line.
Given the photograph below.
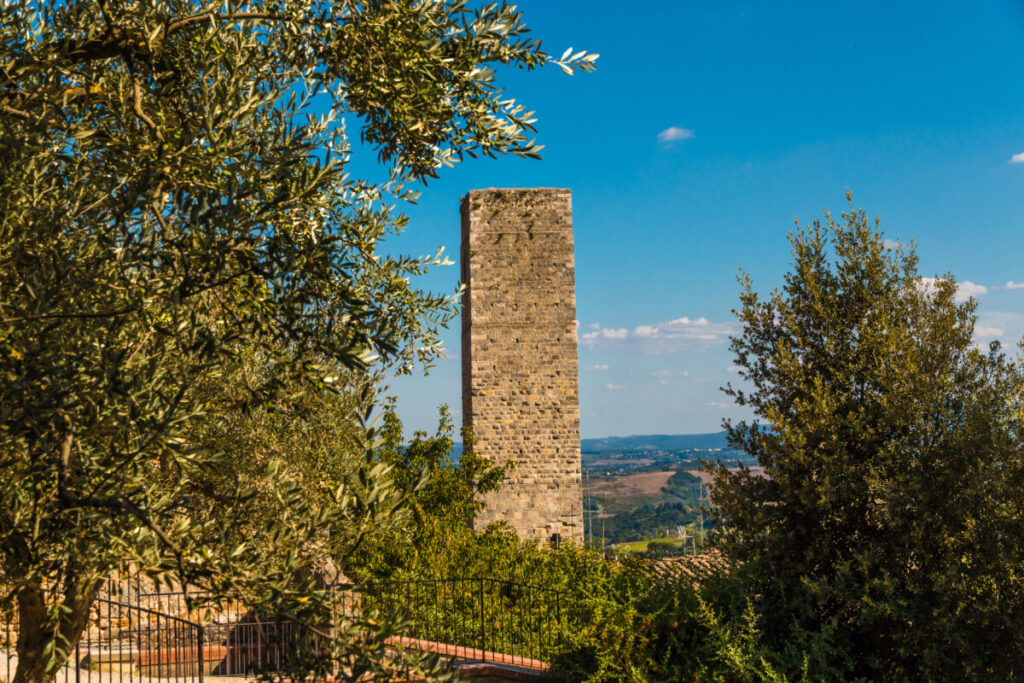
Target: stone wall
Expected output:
[520,389]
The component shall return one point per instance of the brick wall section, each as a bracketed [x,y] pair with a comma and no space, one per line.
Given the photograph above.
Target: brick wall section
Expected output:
[520,385]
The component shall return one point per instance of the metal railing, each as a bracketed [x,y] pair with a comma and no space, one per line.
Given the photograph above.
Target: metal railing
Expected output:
[240,641]
[122,643]
[476,618]
[147,635]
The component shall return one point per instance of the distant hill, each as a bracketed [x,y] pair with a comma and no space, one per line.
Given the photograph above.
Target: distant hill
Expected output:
[643,442]
[664,442]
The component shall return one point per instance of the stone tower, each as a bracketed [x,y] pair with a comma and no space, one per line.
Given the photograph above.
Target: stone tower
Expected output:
[520,388]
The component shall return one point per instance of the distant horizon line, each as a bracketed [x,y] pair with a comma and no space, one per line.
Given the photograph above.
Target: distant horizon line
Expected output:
[659,435]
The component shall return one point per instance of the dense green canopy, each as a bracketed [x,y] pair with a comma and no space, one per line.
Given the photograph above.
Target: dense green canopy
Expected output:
[888,537]
[181,245]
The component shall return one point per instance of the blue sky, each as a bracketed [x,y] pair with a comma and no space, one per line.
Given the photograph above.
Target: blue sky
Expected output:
[709,127]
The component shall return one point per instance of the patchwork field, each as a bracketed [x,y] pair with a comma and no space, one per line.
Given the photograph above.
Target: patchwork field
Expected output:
[706,477]
[635,496]
[641,484]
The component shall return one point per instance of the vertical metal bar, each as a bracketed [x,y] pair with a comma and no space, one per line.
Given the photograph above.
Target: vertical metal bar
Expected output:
[200,661]
[538,627]
[438,613]
[159,655]
[88,642]
[558,620]
[8,620]
[120,618]
[233,639]
[131,654]
[483,620]
[506,620]
[442,617]
[138,638]
[232,642]
[259,647]
[179,654]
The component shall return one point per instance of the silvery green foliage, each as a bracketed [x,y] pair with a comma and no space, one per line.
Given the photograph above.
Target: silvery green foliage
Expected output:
[175,205]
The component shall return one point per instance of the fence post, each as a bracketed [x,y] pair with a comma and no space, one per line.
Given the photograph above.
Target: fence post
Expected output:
[199,651]
[483,632]
[558,621]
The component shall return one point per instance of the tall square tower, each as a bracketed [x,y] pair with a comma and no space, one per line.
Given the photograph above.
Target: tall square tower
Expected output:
[520,384]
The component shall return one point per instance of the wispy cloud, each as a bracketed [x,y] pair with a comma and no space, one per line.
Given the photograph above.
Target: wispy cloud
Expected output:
[1017,158]
[594,326]
[1013,285]
[662,338]
[733,368]
[663,376]
[720,404]
[609,333]
[674,134]
[613,387]
[600,367]
[964,290]
[980,332]
[1005,326]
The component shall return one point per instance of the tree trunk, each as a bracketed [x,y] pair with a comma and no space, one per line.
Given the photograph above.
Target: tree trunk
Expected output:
[43,644]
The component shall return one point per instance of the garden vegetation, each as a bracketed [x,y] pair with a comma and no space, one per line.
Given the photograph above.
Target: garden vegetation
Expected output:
[195,312]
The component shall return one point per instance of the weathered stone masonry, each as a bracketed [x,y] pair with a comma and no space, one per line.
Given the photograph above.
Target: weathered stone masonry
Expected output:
[520,388]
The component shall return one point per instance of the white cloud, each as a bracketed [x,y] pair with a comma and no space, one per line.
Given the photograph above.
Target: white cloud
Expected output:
[733,368]
[720,404]
[1017,158]
[674,134]
[964,290]
[663,382]
[967,289]
[600,367]
[1013,285]
[1003,325]
[700,322]
[662,338]
[891,244]
[594,326]
[613,387]
[669,373]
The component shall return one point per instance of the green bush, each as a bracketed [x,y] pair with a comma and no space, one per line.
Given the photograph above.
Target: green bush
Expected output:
[887,538]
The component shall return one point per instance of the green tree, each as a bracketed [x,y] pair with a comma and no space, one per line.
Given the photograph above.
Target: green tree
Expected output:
[444,494]
[887,539]
[176,210]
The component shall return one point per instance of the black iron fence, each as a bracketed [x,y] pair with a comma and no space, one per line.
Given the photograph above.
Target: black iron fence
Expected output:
[122,643]
[476,618]
[135,634]
[239,640]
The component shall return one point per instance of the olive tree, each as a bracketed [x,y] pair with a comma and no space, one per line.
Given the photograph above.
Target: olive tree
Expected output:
[175,205]
[887,538]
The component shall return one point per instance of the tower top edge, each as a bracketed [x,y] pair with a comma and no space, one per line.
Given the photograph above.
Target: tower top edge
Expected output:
[517,190]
